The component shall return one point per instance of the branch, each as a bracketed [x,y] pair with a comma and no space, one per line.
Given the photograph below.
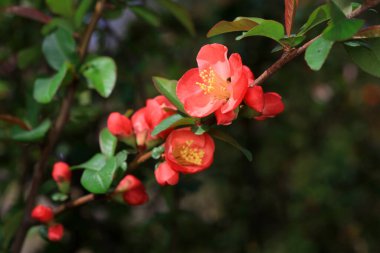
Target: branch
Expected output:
[288,56]
[53,137]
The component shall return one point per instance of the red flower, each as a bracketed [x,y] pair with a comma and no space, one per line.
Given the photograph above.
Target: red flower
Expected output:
[165,175]
[158,109]
[133,190]
[141,127]
[268,104]
[55,232]
[187,152]
[42,213]
[217,84]
[61,172]
[119,125]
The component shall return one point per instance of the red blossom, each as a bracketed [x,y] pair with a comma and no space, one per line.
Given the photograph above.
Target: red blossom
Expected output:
[61,172]
[187,152]
[119,125]
[219,83]
[42,213]
[55,232]
[129,182]
[165,175]
[133,190]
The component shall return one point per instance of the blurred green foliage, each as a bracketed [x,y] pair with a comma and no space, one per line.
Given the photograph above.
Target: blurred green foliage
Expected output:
[313,185]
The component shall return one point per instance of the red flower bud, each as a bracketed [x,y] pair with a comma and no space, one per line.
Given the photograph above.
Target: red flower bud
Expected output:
[136,196]
[165,175]
[119,125]
[55,232]
[42,213]
[141,127]
[187,152]
[61,172]
[129,182]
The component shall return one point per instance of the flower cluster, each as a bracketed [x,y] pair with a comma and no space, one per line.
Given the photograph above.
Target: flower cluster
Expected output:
[45,215]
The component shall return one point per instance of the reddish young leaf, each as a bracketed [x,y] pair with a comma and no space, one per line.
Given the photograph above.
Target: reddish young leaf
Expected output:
[290,12]
[369,32]
[14,120]
[27,12]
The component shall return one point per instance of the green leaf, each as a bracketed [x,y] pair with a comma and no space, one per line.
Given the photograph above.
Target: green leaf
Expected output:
[168,89]
[95,163]
[148,15]
[316,54]
[267,28]
[344,5]
[84,6]
[99,181]
[27,56]
[46,88]
[61,7]
[342,30]
[107,142]
[230,140]
[59,197]
[318,16]
[200,129]
[57,23]
[59,47]
[237,25]
[293,40]
[121,158]
[157,152]
[367,57]
[100,73]
[180,13]
[34,134]
[167,123]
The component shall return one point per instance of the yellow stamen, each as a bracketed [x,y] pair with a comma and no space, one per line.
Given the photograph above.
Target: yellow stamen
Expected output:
[187,155]
[213,84]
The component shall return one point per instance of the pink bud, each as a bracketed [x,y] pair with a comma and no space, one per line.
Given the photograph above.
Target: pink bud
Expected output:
[42,213]
[61,172]
[165,175]
[55,232]
[119,125]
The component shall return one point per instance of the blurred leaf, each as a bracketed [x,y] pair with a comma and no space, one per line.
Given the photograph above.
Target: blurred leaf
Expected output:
[15,121]
[267,28]
[27,56]
[318,16]
[28,12]
[230,140]
[61,7]
[99,181]
[34,134]
[367,57]
[157,152]
[199,129]
[344,5]
[368,32]
[167,123]
[84,6]
[59,197]
[180,13]
[107,142]
[46,88]
[237,25]
[121,158]
[95,163]
[290,12]
[100,73]
[57,23]
[168,89]
[293,40]
[148,15]
[59,47]
[10,227]
[316,54]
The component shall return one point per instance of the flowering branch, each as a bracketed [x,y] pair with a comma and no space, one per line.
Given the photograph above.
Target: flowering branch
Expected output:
[290,54]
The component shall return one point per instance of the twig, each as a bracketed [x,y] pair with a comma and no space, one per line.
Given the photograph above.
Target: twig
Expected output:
[293,53]
[53,137]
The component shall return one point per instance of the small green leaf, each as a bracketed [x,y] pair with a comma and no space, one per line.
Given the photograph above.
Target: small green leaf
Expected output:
[157,152]
[46,88]
[34,134]
[367,57]
[318,16]
[180,13]
[267,28]
[342,30]
[167,123]
[84,6]
[344,5]
[61,7]
[99,181]
[96,162]
[100,73]
[316,54]
[59,197]
[148,15]
[230,140]
[200,129]
[107,142]
[237,25]
[59,47]
[168,89]
[57,23]
[293,41]
[121,158]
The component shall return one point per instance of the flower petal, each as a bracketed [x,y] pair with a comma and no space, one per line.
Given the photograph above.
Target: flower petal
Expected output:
[273,104]
[254,98]
[214,56]
[225,118]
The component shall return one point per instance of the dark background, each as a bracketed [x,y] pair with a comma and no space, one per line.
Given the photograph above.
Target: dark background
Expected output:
[313,185]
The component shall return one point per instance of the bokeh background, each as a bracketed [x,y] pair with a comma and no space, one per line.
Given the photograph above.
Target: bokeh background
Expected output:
[313,185]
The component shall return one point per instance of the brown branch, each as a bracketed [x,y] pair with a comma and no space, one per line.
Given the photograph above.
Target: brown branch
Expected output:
[53,137]
[288,56]
[139,159]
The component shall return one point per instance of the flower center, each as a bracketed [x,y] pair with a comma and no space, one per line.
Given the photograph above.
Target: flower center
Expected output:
[187,155]
[213,84]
